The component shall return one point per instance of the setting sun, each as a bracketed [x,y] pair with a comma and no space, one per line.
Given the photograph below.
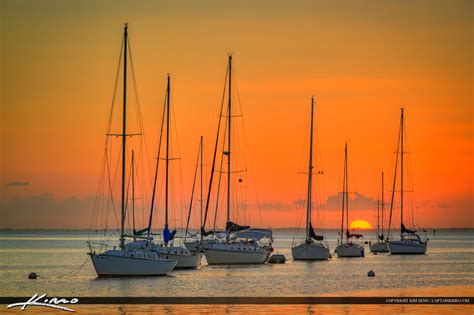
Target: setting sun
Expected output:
[360,224]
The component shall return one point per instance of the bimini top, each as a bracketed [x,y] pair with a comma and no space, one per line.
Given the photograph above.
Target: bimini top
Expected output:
[254,234]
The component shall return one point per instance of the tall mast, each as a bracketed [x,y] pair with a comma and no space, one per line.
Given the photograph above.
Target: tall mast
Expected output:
[343,199]
[124,133]
[310,175]
[229,117]
[200,189]
[347,193]
[133,190]
[211,176]
[378,217]
[383,201]
[401,169]
[168,92]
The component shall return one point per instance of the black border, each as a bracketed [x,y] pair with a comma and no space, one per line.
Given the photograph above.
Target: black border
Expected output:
[388,300]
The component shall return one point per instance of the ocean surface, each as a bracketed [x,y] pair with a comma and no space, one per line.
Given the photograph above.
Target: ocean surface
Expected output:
[59,258]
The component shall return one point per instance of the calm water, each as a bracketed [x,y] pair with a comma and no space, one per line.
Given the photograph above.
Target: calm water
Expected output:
[450,261]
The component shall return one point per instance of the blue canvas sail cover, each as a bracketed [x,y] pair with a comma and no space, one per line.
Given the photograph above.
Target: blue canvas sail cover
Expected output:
[313,235]
[167,235]
[405,230]
[349,235]
[233,227]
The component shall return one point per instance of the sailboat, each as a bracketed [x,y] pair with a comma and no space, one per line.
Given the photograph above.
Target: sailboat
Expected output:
[312,248]
[126,261]
[381,245]
[410,242]
[239,244]
[347,248]
[185,258]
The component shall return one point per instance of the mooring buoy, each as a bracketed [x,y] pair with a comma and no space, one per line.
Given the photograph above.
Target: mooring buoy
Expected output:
[371,273]
[32,275]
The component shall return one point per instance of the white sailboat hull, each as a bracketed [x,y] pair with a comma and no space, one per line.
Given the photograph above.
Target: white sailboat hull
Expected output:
[310,252]
[407,247]
[230,254]
[118,263]
[349,250]
[184,258]
[379,248]
[196,245]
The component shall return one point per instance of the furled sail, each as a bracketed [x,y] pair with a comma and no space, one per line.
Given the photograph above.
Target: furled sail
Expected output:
[233,227]
[313,235]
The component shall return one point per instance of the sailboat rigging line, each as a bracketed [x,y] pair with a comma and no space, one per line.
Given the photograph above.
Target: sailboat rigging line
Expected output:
[347,197]
[129,180]
[247,149]
[97,199]
[108,129]
[214,157]
[143,141]
[109,124]
[393,187]
[192,190]
[219,184]
[299,207]
[150,219]
[343,199]
[409,168]
[180,169]
[111,199]
[320,187]
[201,180]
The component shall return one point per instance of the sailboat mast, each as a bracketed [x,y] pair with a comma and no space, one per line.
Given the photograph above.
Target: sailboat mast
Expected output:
[124,133]
[167,150]
[401,169]
[133,190]
[383,200]
[347,195]
[378,217]
[343,198]
[229,117]
[200,189]
[310,175]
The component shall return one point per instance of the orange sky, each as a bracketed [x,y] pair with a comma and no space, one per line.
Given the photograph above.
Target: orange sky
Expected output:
[362,61]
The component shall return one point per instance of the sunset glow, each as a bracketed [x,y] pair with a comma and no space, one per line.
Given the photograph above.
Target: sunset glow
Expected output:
[361,61]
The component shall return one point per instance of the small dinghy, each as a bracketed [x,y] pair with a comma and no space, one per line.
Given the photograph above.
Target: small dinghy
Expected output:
[277,259]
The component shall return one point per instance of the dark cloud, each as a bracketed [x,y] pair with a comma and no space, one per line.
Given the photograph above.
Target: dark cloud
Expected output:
[357,201]
[44,211]
[273,205]
[16,183]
